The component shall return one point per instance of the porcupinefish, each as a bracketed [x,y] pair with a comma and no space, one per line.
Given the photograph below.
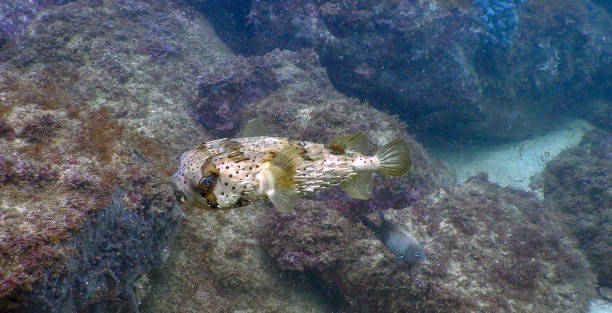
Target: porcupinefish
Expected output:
[401,244]
[229,173]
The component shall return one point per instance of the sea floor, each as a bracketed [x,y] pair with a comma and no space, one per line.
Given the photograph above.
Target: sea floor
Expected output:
[511,164]
[600,306]
[514,164]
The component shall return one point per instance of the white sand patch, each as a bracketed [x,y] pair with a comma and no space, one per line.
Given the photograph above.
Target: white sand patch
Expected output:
[512,164]
[600,306]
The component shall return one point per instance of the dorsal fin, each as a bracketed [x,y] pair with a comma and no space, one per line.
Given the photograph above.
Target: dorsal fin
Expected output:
[350,143]
[255,127]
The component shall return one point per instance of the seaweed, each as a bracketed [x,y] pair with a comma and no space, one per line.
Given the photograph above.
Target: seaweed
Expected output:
[6,130]
[99,131]
[39,129]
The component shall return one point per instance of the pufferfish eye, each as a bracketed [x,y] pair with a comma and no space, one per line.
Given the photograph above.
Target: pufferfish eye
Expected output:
[180,196]
[208,182]
[417,253]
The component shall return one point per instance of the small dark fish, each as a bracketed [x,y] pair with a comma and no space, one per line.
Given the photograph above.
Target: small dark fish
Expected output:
[406,248]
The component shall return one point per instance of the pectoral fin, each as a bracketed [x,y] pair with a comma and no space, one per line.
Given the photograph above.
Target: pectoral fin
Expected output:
[277,181]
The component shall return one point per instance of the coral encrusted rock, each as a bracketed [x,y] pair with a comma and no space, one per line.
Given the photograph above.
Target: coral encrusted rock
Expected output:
[87,143]
[489,249]
[579,183]
[499,69]
[78,192]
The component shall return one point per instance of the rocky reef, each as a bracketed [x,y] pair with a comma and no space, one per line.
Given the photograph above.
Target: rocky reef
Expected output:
[528,255]
[85,208]
[488,248]
[57,200]
[579,184]
[100,98]
[494,69]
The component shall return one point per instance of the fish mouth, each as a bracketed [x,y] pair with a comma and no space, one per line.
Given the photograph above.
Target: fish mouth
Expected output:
[178,193]
[179,196]
[173,182]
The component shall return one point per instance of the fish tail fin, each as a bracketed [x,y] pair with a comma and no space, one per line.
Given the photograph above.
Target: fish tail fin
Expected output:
[394,158]
[368,223]
[359,186]
[282,191]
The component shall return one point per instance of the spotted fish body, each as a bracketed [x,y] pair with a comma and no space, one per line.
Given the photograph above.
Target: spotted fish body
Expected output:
[228,173]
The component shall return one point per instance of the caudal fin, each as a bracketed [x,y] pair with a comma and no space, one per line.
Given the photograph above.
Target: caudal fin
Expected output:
[368,223]
[394,158]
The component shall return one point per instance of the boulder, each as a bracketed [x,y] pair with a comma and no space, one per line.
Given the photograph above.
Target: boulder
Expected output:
[489,249]
[489,69]
[87,143]
[578,182]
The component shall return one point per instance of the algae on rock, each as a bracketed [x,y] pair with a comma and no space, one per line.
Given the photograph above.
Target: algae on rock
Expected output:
[488,249]
[82,121]
[578,182]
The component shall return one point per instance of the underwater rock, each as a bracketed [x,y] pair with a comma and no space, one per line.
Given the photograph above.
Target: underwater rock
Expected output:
[223,92]
[113,246]
[438,64]
[15,15]
[85,113]
[579,184]
[85,151]
[113,104]
[216,265]
[68,231]
[599,112]
[488,249]
[90,95]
